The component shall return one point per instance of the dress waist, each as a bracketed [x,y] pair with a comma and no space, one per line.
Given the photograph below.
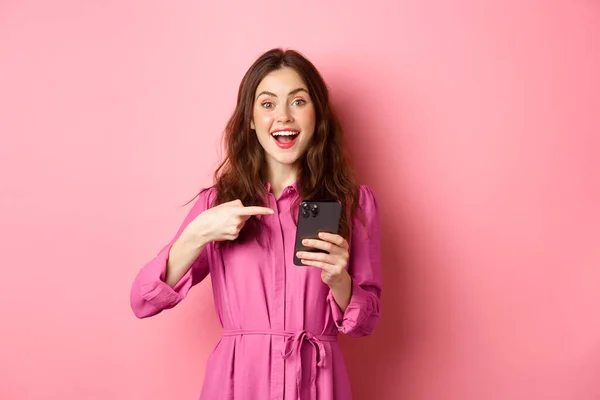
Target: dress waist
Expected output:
[293,344]
[273,332]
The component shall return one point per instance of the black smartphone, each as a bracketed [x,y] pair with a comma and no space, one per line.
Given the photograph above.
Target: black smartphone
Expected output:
[315,217]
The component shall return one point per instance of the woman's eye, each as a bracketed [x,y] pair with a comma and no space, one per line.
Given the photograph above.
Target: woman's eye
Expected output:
[299,102]
[267,104]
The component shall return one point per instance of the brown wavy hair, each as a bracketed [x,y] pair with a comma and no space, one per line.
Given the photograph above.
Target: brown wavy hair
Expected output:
[325,172]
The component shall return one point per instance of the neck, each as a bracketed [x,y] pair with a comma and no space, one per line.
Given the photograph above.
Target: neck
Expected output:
[281,176]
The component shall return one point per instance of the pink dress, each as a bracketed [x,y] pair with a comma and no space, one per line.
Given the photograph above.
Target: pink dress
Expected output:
[280,321]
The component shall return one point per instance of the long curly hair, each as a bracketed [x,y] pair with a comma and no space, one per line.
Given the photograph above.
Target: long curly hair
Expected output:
[325,172]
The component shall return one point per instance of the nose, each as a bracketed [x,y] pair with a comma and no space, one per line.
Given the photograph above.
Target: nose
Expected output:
[284,114]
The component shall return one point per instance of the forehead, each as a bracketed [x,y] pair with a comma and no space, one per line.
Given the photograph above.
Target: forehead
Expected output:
[281,81]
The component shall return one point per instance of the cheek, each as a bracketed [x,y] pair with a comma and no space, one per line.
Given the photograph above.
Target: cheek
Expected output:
[263,122]
[308,115]
[308,118]
[262,119]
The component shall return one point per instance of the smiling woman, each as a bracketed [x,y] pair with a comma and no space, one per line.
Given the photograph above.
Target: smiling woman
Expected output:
[283,115]
[280,321]
[282,90]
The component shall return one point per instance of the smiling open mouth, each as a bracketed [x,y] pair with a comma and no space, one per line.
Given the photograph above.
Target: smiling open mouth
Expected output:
[286,138]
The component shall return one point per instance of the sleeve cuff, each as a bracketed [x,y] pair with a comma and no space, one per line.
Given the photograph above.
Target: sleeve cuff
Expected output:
[155,291]
[357,311]
[159,294]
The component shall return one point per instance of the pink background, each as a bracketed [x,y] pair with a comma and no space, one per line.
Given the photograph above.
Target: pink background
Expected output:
[476,122]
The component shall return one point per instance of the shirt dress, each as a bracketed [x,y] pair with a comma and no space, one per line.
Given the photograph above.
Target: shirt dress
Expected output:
[280,321]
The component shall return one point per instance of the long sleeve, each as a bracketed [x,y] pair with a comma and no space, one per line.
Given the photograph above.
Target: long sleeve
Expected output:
[149,293]
[364,266]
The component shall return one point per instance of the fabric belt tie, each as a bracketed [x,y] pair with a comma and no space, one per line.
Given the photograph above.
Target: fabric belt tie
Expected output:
[293,346]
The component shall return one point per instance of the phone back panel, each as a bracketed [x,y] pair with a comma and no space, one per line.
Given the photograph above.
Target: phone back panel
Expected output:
[315,217]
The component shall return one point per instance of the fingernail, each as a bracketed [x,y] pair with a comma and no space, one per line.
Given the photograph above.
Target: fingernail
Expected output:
[305,242]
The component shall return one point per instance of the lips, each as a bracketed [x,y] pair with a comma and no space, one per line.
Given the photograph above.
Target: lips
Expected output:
[285,138]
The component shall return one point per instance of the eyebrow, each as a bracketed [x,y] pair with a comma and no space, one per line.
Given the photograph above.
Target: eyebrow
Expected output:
[293,92]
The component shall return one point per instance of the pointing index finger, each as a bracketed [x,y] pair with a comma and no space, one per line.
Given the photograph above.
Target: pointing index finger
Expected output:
[255,210]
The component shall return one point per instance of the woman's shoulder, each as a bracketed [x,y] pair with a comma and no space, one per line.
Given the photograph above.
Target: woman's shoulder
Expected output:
[367,199]
[365,221]
[205,198]
[208,193]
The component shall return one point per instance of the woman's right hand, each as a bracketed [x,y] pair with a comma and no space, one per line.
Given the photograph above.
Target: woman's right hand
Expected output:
[222,222]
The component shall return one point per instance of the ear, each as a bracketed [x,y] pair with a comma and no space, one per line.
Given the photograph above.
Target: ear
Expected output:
[252,125]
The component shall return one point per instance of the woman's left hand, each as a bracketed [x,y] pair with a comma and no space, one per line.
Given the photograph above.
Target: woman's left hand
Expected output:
[333,263]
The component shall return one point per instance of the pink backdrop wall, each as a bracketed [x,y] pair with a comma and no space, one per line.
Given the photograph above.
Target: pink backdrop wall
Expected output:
[476,122]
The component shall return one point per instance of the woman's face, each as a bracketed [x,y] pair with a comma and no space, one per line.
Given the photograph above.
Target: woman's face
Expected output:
[283,116]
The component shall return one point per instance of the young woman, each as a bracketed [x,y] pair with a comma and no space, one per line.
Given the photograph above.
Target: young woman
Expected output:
[280,321]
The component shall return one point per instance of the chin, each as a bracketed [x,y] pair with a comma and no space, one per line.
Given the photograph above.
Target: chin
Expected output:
[287,160]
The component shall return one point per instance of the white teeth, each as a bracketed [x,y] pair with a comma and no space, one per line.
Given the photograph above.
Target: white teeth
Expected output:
[285,133]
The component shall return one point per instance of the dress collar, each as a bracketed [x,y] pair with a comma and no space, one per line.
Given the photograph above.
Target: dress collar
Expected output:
[293,186]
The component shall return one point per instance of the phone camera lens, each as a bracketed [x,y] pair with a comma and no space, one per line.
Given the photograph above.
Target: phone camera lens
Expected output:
[307,209]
